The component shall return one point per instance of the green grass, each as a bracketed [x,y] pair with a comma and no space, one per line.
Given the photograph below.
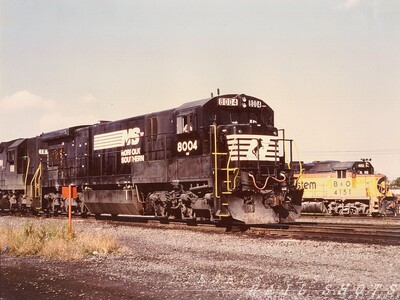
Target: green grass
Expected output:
[54,241]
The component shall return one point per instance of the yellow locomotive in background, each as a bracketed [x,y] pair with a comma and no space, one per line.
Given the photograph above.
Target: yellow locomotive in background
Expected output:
[345,188]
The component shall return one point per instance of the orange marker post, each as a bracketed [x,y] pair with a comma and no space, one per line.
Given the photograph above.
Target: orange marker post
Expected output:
[70,208]
[69,192]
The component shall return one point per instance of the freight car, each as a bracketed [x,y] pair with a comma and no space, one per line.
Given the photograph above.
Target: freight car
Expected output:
[219,158]
[345,188]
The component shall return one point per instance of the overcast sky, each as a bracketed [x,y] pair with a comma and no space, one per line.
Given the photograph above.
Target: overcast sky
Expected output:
[330,69]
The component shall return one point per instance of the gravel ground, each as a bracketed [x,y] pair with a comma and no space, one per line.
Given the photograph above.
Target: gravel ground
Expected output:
[159,263]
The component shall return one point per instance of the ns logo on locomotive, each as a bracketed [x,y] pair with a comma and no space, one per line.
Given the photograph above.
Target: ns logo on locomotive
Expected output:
[219,158]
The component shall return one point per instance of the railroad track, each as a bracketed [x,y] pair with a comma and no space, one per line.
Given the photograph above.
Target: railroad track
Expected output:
[372,232]
[358,233]
[349,232]
[389,218]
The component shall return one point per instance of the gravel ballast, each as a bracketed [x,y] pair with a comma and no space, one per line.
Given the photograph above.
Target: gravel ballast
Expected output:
[166,263]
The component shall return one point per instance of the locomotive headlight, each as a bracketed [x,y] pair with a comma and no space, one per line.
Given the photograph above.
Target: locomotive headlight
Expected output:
[244,105]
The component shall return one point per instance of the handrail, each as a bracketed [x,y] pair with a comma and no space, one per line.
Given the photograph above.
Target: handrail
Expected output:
[26,174]
[36,181]
[215,153]
[228,169]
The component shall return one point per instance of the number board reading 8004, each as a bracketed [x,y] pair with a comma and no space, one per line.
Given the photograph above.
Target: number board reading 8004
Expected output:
[255,103]
[235,102]
[228,102]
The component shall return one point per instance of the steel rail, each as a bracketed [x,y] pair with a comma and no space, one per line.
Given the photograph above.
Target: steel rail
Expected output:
[342,232]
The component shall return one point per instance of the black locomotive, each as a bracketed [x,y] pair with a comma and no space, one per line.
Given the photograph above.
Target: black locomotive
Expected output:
[219,158]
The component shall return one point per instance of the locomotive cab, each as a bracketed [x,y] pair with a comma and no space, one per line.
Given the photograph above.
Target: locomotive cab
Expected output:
[250,178]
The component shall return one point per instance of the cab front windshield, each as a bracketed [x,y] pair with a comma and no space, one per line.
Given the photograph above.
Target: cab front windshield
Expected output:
[240,117]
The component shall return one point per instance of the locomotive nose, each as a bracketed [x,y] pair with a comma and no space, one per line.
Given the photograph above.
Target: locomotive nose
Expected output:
[382,186]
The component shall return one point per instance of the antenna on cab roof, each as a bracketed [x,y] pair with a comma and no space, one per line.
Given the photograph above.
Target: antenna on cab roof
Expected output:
[212,94]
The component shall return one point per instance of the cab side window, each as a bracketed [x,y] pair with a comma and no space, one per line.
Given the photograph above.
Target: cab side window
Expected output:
[341,173]
[185,123]
[11,156]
